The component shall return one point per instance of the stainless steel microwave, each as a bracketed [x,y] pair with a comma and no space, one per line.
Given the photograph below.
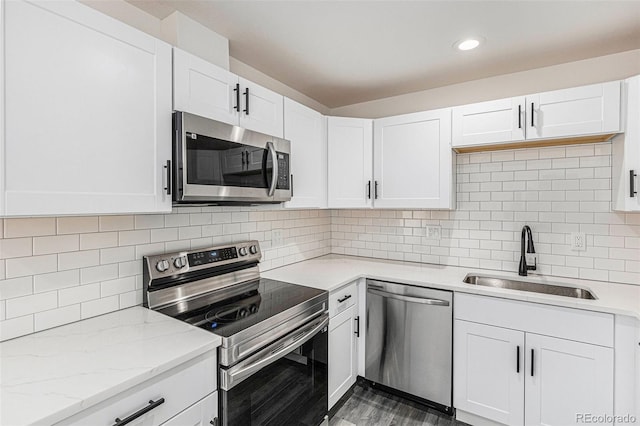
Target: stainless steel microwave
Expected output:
[217,163]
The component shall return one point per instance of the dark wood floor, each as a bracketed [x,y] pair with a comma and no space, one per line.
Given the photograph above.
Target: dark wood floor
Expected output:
[369,406]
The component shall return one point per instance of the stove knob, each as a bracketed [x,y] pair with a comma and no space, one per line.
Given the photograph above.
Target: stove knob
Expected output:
[243,251]
[253,249]
[242,313]
[180,262]
[253,309]
[162,266]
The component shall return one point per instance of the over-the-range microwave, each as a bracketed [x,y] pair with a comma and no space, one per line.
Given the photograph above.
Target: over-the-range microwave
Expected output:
[218,163]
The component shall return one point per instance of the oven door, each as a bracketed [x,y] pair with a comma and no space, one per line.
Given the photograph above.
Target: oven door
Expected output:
[218,162]
[285,383]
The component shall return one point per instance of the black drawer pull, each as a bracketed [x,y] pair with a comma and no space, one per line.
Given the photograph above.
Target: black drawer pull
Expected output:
[348,296]
[152,404]
[357,332]
[518,359]
[531,362]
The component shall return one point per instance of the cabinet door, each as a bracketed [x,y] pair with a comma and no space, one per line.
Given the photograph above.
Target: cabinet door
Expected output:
[204,89]
[261,109]
[342,354]
[413,161]
[202,413]
[566,379]
[305,128]
[488,380]
[350,162]
[577,111]
[489,122]
[87,113]
[625,159]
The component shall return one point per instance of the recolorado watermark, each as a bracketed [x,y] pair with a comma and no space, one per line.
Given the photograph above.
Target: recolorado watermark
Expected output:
[590,418]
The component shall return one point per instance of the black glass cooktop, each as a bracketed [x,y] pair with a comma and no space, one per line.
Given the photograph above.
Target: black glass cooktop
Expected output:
[263,300]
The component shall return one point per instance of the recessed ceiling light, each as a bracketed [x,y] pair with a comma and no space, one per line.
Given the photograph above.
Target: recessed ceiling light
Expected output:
[468,44]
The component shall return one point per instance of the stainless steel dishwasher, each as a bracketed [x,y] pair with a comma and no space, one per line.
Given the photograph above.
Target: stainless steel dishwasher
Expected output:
[409,340]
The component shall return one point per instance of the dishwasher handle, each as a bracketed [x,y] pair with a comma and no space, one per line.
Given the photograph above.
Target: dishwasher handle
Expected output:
[411,299]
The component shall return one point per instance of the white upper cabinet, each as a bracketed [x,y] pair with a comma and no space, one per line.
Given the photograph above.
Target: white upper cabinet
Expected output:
[413,161]
[578,111]
[87,113]
[205,89]
[350,161]
[489,122]
[306,129]
[626,152]
[261,109]
[569,113]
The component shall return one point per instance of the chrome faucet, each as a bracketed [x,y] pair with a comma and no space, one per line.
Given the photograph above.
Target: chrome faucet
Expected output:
[522,270]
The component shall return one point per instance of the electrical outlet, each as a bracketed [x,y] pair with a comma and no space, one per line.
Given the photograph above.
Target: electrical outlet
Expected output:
[433,232]
[276,238]
[578,241]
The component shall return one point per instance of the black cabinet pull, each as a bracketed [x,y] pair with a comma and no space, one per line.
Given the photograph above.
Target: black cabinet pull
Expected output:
[357,319]
[246,101]
[532,125]
[242,156]
[519,116]
[348,296]
[168,167]
[375,191]
[632,183]
[369,190]
[152,404]
[518,359]
[246,153]
[292,185]
[237,90]
[531,362]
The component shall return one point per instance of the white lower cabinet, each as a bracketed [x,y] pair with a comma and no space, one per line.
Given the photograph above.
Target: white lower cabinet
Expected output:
[202,413]
[184,395]
[344,330]
[518,377]
[488,378]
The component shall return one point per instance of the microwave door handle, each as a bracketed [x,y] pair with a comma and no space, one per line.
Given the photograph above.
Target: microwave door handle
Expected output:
[274,169]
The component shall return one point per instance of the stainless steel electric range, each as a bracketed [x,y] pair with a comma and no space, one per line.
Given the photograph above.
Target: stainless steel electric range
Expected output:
[273,358]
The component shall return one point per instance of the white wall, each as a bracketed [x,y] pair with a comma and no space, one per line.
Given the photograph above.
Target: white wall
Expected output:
[594,70]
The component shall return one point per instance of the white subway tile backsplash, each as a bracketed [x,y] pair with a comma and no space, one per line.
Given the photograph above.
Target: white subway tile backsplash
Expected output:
[26,305]
[55,317]
[78,259]
[74,295]
[16,327]
[55,244]
[29,227]
[116,223]
[24,266]
[16,287]
[99,306]
[78,225]
[16,247]
[56,280]
[98,240]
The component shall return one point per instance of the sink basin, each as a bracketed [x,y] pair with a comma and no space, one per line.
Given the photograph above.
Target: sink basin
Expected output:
[556,290]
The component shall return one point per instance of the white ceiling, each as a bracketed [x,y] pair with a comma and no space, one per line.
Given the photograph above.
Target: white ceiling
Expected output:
[345,52]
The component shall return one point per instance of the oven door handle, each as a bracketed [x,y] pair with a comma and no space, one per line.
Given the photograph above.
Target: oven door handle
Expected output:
[272,353]
[274,168]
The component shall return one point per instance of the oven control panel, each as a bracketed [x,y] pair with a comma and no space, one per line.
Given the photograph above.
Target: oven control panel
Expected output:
[171,264]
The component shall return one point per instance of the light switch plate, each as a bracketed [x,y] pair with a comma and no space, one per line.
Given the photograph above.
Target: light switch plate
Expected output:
[433,232]
[578,241]
[276,238]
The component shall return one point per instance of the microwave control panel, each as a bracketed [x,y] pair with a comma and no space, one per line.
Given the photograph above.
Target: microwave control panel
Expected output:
[283,171]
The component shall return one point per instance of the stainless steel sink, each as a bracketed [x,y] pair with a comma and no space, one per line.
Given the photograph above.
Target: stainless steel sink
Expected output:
[556,290]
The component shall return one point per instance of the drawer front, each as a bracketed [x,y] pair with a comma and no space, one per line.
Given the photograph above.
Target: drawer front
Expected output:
[565,323]
[203,413]
[180,387]
[342,299]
